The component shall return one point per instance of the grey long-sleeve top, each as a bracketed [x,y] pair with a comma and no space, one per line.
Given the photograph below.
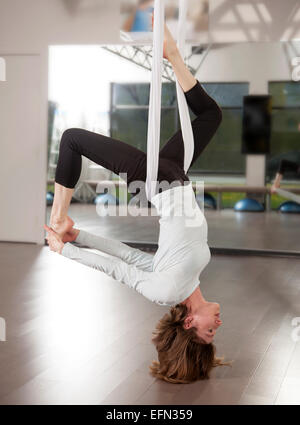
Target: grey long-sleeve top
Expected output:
[172,274]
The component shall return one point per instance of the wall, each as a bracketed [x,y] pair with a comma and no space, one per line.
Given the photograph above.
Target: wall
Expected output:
[27,28]
[22,160]
[254,20]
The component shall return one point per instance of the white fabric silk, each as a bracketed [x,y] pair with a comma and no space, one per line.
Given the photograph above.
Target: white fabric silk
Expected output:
[154,117]
[185,121]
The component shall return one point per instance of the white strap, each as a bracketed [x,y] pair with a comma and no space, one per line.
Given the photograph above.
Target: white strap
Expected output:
[154,117]
[185,121]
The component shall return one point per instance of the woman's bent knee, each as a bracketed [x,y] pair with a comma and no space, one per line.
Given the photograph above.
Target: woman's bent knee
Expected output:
[70,133]
[69,137]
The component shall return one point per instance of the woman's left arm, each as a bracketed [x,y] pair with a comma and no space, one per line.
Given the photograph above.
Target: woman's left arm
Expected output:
[117,249]
[155,286]
[159,287]
[110,246]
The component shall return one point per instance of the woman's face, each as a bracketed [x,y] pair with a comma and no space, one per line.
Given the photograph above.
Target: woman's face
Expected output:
[207,321]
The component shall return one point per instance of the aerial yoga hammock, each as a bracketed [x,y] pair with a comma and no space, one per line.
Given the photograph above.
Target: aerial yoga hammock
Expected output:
[171,276]
[154,117]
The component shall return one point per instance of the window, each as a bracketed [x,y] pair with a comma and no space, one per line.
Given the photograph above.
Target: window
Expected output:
[285,135]
[129,113]
[129,104]
[223,154]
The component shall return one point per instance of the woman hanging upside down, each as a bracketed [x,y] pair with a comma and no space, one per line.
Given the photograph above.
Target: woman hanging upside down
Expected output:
[284,166]
[183,337]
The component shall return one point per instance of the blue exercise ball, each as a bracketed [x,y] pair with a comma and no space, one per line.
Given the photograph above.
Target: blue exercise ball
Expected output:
[289,207]
[49,198]
[248,204]
[209,201]
[106,199]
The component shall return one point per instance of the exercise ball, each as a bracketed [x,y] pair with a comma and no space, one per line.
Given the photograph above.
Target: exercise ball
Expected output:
[106,199]
[248,204]
[49,198]
[289,207]
[209,201]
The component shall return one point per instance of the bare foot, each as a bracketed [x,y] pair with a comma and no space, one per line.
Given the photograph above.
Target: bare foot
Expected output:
[62,226]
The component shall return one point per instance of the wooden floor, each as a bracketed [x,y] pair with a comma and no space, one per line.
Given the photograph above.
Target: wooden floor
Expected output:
[76,336]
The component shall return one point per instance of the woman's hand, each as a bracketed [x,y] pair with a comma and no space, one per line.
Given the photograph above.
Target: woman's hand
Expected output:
[273,189]
[61,225]
[276,183]
[54,240]
[70,235]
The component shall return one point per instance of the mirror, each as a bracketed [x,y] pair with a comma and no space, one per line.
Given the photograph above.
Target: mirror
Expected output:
[105,89]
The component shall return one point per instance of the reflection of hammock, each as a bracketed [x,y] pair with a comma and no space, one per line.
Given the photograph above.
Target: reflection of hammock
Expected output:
[289,195]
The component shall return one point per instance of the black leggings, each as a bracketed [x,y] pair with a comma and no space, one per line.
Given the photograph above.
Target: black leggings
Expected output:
[120,157]
[286,165]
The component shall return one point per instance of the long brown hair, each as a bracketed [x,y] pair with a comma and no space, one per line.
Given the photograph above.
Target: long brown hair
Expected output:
[182,356]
